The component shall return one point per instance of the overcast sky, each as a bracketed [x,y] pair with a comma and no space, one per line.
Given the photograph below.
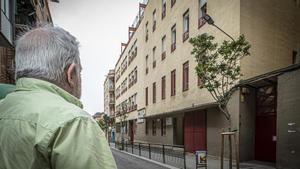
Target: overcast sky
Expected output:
[100,26]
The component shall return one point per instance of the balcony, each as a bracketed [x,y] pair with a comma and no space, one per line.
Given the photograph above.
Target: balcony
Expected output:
[201,22]
[111,88]
[154,26]
[172,3]
[147,70]
[185,36]
[131,83]
[163,55]
[163,14]
[173,47]
[112,101]
[154,64]
[147,37]
[132,108]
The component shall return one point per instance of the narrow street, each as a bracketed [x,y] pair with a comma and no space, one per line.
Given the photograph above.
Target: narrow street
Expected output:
[125,161]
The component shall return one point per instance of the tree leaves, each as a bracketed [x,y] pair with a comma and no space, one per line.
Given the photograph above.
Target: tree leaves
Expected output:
[218,65]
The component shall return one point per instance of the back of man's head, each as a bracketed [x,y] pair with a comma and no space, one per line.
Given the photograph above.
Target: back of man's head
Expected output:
[47,53]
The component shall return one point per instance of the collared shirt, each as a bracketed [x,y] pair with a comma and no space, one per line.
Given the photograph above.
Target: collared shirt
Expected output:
[5,89]
[44,127]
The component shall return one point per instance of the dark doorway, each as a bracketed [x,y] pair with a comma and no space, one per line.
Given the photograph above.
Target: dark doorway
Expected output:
[265,127]
[131,130]
[195,131]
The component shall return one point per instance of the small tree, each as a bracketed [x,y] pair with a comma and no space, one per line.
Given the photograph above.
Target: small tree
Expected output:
[105,123]
[122,118]
[218,67]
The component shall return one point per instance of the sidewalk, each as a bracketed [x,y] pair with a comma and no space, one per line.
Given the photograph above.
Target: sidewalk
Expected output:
[214,163]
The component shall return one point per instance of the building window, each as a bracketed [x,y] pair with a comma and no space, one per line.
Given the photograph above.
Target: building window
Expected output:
[146,127]
[153,127]
[202,12]
[147,68]
[132,53]
[186,25]
[173,36]
[146,31]
[163,48]
[131,104]
[295,57]
[163,126]
[173,83]
[164,9]
[118,128]
[173,3]
[124,127]
[132,77]
[124,65]
[5,5]
[153,56]
[163,87]
[185,78]
[154,20]
[154,92]
[146,96]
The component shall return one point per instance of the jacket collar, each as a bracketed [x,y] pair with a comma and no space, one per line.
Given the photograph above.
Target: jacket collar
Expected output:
[29,84]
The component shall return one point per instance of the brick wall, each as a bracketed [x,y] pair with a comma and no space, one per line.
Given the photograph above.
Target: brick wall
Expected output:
[7,65]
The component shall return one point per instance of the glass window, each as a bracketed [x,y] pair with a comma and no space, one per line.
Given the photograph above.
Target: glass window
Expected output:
[185,78]
[203,8]
[154,93]
[186,22]
[153,127]
[163,87]
[5,5]
[163,44]
[173,83]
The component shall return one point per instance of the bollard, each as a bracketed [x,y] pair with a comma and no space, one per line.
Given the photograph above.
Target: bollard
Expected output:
[132,147]
[139,149]
[149,151]
[184,159]
[164,158]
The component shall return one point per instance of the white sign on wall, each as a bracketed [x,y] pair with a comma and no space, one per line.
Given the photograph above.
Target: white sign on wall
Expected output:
[169,121]
[141,116]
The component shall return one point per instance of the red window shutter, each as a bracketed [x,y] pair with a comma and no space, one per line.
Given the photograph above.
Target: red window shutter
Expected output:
[163,87]
[185,78]
[173,83]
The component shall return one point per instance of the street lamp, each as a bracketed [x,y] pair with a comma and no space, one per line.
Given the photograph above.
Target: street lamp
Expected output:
[210,21]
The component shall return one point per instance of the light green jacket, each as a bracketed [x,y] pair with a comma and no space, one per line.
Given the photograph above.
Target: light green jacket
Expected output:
[43,127]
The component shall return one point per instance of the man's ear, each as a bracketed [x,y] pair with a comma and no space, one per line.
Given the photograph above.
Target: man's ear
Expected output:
[71,72]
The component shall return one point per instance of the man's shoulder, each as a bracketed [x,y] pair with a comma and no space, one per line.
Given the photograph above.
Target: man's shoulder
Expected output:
[42,108]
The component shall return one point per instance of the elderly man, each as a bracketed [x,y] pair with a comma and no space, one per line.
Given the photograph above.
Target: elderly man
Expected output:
[42,124]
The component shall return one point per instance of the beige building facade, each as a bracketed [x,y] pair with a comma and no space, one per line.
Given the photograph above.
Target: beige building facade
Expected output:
[156,85]
[109,93]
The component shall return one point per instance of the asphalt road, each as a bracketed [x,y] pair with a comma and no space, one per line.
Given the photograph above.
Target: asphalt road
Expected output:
[125,161]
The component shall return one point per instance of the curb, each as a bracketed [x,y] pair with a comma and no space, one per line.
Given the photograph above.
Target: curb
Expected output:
[146,159]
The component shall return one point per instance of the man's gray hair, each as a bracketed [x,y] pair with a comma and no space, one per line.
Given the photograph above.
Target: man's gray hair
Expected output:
[45,53]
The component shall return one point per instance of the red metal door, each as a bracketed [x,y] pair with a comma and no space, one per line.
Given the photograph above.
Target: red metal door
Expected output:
[265,131]
[195,131]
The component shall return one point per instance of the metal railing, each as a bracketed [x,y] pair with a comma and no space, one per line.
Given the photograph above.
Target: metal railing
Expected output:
[173,155]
